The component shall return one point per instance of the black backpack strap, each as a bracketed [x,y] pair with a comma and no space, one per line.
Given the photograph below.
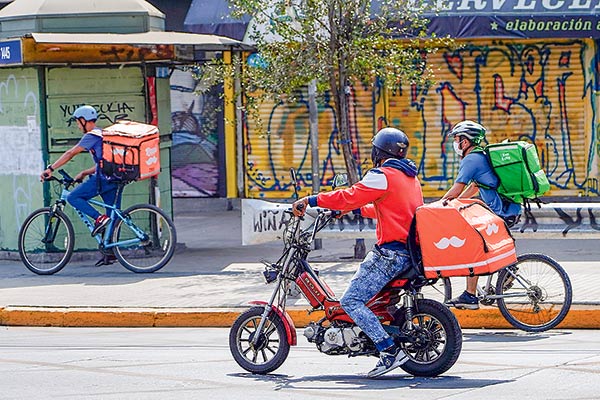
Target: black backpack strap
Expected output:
[414,250]
[530,221]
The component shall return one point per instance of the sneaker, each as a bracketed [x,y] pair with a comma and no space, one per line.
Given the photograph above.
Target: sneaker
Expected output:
[465,301]
[107,259]
[387,362]
[100,224]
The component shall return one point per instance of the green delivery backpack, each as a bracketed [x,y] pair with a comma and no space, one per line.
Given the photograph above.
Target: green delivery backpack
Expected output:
[518,168]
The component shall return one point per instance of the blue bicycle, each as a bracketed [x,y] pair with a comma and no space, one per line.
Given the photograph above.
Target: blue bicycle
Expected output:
[142,237]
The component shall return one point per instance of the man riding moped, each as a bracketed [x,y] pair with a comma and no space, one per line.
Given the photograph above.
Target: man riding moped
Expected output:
[390,193]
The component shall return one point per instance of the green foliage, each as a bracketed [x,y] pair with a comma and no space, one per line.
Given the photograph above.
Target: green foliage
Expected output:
[335,42]
[302,40]
[312,39]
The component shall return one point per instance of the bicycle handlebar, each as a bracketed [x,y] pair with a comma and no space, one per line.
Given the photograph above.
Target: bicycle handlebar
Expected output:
[66,180]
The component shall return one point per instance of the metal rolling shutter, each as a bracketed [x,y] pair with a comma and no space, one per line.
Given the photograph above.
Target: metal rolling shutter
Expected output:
[270,156]
[534,90]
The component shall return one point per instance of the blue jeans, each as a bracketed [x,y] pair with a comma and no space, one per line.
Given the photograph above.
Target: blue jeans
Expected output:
[378,268]
[79,197]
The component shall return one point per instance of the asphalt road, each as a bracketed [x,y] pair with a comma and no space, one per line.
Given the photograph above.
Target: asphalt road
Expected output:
[87,363]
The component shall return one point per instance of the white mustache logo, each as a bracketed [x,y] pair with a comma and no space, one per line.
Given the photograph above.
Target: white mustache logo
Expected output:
[491,229]
[453,241]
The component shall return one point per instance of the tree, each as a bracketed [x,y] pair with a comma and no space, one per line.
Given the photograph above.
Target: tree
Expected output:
[334,43]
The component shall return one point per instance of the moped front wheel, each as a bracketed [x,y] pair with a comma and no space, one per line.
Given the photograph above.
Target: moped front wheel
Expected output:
[435,338]
[262,354]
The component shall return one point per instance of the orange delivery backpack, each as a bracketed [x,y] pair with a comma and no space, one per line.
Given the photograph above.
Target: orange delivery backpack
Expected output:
[130,151]
[462,237]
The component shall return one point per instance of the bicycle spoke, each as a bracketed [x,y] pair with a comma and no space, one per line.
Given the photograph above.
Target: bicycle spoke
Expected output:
[245,329]
[268,331]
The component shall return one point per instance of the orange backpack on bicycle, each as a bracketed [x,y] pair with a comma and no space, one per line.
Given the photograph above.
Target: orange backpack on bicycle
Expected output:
[463,238]
[130,151]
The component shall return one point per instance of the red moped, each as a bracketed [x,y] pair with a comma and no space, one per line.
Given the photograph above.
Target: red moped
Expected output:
[261,337]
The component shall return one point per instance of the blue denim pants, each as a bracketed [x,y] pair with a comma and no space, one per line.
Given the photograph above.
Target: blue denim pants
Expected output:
[378,268]
[80,195]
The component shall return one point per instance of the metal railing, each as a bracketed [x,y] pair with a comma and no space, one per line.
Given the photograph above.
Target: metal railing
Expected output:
[263,221]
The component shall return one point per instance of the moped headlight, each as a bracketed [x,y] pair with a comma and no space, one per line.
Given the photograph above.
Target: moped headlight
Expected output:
[270,275]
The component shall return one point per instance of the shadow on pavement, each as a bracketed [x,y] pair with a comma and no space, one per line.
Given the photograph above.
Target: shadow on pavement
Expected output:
[360,382]
[509,336]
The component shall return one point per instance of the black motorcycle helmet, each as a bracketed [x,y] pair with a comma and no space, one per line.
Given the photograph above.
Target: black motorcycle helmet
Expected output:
[388,143]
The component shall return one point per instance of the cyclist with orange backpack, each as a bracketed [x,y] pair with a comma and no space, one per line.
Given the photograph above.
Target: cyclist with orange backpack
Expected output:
[97,184]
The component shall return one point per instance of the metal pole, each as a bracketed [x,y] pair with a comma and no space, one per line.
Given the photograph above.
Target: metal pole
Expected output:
[313,114]
[314,135]
[239,128]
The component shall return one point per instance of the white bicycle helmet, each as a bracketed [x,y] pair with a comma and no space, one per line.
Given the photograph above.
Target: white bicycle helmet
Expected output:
[88,113]
[471,130]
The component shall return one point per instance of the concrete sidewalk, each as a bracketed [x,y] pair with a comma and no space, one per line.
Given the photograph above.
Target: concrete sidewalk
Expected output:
[212,277]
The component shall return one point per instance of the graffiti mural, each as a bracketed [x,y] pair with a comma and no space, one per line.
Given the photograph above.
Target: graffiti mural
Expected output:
[194,156]
[538,92]
[108,113]
[286,143]
[542,92]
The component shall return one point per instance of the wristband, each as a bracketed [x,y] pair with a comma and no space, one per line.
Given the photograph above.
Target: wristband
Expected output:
[50,168]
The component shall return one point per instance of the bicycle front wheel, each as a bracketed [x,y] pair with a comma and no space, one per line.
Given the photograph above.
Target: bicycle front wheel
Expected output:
[46,241]
[535,293]
[145,239]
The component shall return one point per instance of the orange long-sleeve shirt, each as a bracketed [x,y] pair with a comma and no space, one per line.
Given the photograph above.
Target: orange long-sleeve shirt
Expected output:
[387,193]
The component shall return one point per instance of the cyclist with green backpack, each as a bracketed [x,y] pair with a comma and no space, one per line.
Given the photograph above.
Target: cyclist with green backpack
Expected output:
[475,174]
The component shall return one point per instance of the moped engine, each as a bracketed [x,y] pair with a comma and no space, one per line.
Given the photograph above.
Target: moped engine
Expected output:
[334,340]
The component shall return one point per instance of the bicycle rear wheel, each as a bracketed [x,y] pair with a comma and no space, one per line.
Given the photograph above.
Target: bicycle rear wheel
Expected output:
[46,241]
[157,238]
[536,293]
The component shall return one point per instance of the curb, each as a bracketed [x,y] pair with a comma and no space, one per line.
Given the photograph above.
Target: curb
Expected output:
[579,317]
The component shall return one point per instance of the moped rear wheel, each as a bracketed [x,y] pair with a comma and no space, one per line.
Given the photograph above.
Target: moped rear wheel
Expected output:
[436,338]
[271,348]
